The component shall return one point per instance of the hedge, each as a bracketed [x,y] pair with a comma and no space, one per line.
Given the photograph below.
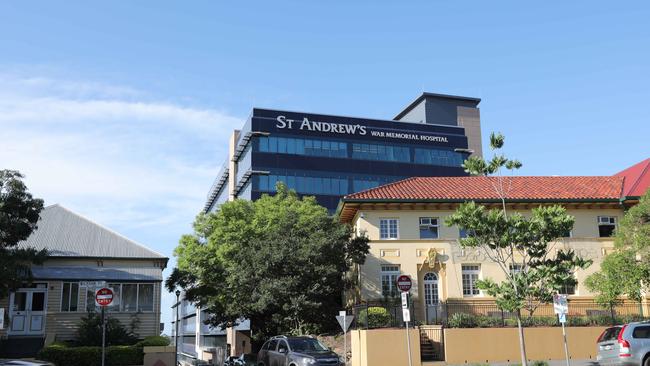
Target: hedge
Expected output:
[376,317]
[463,320]
[154,341]
[61,355]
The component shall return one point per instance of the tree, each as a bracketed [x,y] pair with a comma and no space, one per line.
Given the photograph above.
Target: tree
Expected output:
[19,213]
[278,261]
[626,271]
[519,245]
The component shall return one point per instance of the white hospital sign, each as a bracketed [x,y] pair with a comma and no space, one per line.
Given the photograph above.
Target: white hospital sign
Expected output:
[351,129]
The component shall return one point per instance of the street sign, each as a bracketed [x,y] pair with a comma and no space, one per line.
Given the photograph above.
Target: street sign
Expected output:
[345,321]
[92,284]
[562,318]
[560,304]
[405,300]
[404,283]
[104,296]
[2,318]
[406,315]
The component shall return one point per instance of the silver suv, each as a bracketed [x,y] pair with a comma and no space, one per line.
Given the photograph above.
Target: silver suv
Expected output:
[296,351]
[625,345]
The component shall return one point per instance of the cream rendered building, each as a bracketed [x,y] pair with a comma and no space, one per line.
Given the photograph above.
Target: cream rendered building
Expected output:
[405,223]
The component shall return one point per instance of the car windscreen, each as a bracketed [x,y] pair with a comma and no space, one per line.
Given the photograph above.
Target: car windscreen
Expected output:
[610,334]
[306,345]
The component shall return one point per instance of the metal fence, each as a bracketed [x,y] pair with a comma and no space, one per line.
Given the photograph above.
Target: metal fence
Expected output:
[487,314]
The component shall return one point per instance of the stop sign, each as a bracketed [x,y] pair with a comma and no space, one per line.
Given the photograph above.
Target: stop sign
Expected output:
[104,296]
[404,283]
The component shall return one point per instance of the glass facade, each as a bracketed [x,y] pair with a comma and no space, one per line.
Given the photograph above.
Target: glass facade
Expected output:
[298,146]
[332,156]
[381,152]
[360,151]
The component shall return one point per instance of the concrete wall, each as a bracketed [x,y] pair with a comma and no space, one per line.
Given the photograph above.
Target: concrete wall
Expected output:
[159,356]
[384,347]
[486,345]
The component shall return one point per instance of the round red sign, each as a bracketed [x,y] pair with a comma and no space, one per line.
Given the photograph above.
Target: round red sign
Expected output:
[404,283]
[104,296]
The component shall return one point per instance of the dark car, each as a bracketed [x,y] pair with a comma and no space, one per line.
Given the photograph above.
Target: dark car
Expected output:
[230,361]
[246,359]
[296,351]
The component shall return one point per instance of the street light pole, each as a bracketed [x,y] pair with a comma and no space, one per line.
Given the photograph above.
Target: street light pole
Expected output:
[178,304]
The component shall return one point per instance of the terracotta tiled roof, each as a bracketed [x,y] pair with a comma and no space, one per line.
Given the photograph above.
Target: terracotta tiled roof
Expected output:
[483,188]
[637,179]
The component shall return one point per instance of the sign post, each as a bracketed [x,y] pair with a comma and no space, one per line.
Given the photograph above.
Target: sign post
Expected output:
[2,318]
[103,298]
[561,308]
[404,284]
[345,321]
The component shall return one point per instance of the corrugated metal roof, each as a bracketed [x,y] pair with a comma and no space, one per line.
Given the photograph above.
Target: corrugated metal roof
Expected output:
[67,234]
[97,273]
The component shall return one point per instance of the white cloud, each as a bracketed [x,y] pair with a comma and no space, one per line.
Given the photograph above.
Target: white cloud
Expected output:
[99,149]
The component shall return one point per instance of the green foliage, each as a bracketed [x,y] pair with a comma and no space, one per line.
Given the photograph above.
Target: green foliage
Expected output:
[62,355]
[462,320]
[626,271]
[278,261]
[90,332]
[518,244]
[375,317]
[516,241]
[19,213]
[154,341]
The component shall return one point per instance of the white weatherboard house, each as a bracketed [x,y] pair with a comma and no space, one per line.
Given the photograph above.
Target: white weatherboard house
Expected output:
[80,250]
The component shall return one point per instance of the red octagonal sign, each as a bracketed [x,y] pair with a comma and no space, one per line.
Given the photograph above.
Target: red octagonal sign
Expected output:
[104,296]
[404,283]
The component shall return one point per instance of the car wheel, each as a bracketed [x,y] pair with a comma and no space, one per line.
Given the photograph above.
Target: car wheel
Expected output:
[646,361]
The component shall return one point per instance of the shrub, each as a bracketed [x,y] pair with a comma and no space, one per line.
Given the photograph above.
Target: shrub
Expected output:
[90,332]
[376,317]
[154,341]
[462,320]
[538,363]
[62,355]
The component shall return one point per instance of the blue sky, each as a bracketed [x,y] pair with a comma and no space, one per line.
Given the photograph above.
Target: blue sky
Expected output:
[121,110]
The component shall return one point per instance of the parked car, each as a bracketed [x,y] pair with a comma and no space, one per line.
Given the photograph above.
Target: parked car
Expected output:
[296,351]
[246,359]
[625,345]
[23,363]
[230,361]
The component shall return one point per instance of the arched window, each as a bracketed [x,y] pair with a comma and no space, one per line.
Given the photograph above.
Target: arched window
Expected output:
[430,289]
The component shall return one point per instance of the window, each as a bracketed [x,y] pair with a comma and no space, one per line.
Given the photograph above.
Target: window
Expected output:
[282,347]
[515,268]
[389,274]
[470,276]
[641,332]
[273,344]
[463,233]
[388,228]
[429,227]
[568,288]
[606,226]
[69,296]
[129,297]
[145,297]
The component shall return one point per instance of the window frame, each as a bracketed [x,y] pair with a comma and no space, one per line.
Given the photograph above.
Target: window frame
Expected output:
[601,223]
[70,283]
[391,272]
[388,221]
[474,291]
[428,227]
